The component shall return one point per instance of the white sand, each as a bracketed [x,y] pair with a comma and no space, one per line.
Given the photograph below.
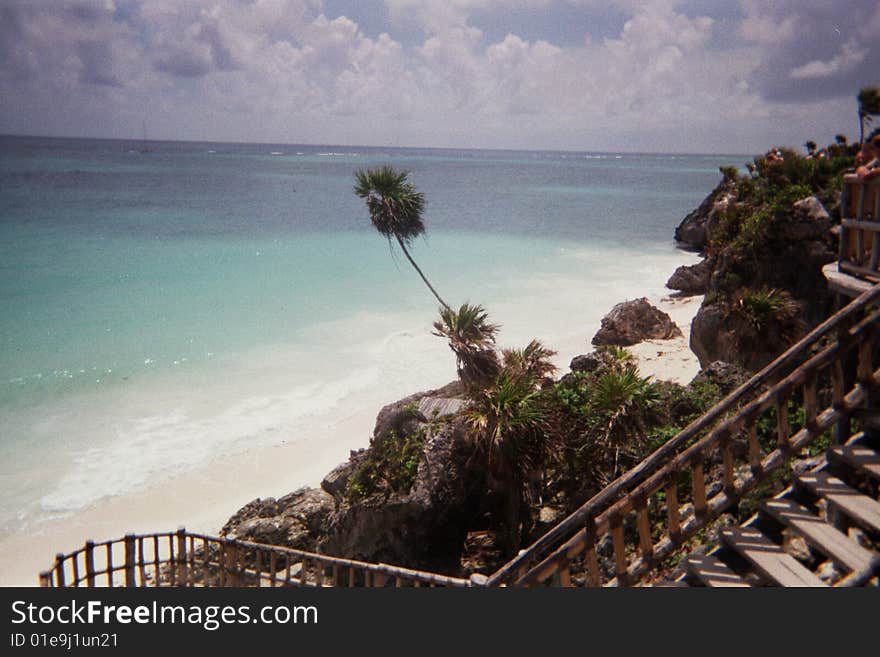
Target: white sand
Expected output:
[671,360]
[204,499]
[201,501]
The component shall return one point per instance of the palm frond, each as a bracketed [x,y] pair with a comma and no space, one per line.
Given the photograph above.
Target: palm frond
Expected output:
[394,204]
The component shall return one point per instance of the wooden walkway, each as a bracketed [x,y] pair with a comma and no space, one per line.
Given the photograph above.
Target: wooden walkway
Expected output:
[831,516]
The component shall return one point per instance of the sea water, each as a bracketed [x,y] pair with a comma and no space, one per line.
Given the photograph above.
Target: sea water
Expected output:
[164,304]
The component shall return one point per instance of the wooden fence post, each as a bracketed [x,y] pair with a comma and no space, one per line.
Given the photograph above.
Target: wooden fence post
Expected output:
[129,560]
[181,557]
[90,564]
[59,570]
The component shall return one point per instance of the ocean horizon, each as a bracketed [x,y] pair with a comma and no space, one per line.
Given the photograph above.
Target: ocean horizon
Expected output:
[170,303]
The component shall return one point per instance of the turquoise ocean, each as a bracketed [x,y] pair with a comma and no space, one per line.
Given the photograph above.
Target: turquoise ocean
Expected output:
[167,303]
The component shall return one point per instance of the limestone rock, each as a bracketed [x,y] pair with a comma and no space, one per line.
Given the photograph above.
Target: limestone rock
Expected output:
[726,376]
[482,552]
[336,481]
[403,416]
[418,527]
[631,322]
[691,280]
[695,228]
[796,546]
[585,363]
[296,520]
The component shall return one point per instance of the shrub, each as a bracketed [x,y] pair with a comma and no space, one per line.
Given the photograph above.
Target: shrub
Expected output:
[391,464]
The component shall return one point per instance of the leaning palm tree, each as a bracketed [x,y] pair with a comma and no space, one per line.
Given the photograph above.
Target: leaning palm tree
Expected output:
[395,208]
[869,107]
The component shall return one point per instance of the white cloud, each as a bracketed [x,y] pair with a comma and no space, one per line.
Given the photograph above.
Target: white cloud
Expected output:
[850,56]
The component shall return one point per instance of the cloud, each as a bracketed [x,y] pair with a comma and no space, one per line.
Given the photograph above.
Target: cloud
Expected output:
[669,75]
[813,51]
[850,56]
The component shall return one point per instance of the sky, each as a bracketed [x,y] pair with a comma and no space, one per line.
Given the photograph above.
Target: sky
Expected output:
[693,76]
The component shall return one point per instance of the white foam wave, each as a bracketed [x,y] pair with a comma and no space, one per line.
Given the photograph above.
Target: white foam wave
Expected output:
[152,447]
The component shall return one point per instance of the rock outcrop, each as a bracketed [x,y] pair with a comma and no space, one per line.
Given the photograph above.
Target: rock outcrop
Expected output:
[585,363]
[727,377]
[789,257]
[695,228]
[297,520]
[631,322]
[424,526]
[691,280]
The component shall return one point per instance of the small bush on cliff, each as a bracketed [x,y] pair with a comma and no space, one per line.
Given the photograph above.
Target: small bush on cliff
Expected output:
[391,464]
[745,224]
[601,421]
[769,308]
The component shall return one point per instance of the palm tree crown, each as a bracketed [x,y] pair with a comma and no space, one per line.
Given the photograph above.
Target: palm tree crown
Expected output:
[471,337]
[394,204]
[395,208]
[869,107]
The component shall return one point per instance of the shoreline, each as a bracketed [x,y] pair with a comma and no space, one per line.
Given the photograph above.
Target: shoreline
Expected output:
[203,499]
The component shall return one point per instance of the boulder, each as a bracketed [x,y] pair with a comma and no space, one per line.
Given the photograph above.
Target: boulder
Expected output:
[403,416]
[419,528]
[585,363]
[691,280]
[631,322]
[336,481]
[696,227]
[297,520]
[726,376]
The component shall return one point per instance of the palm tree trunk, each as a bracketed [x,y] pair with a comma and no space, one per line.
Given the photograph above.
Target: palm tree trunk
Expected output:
[424,278]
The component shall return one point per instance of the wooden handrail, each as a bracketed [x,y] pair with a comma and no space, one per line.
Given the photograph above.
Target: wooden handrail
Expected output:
[589,511]
[859,252]
[181,558]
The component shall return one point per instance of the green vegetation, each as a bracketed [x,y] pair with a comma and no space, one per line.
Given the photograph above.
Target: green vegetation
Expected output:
[767,312]
[391,464]
[773,185]
[471,338]
[605,421]
[869,107]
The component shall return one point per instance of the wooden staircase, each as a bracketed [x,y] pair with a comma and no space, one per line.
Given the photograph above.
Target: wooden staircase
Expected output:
[822,530]
[821,396]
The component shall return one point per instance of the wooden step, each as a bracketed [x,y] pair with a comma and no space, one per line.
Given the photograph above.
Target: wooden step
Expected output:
[860,457]
[769,559]
[820,534]
[673,584]
[861,508]
[713,572]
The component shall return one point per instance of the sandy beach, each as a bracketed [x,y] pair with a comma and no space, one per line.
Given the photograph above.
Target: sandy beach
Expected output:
[204,499]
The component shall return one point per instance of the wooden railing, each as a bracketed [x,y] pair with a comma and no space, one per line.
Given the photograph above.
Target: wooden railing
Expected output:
[186,559]
[860,228]
[628,529]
